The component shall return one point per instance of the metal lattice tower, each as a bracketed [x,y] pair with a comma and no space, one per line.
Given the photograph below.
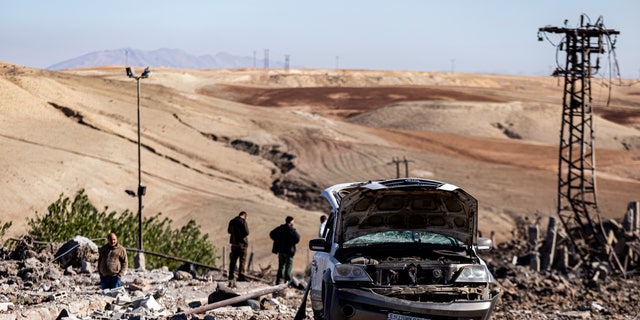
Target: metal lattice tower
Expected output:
[577,203]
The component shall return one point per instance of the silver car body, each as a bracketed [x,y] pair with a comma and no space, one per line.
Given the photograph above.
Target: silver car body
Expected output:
[400,249]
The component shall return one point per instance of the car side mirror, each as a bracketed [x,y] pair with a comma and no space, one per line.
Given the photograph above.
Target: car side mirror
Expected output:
[485,244]
[318,244]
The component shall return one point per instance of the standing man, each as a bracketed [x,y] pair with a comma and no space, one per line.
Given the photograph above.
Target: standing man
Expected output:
[238,230]
[112,263]
[285,237]
[323,224]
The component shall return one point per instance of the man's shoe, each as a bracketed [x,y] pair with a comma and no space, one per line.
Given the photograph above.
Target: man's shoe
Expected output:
[242,279]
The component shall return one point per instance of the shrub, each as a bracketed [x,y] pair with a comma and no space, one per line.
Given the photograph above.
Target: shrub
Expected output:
[4,227]
[66,219]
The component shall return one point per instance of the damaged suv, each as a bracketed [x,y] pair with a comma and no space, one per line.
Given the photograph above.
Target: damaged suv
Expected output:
[401,249]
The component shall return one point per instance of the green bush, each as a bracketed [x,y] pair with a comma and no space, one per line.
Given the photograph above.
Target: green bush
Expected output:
[66,219]
[4,227]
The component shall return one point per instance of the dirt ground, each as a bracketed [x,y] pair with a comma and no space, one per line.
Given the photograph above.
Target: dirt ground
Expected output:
[268,141]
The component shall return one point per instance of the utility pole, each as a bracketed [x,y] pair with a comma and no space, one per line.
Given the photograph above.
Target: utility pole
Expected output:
[406,166]
[577,205]
[254,59]
[397,162]
[139,260]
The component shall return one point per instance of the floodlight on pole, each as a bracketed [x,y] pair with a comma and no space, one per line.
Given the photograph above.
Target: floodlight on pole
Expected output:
[139,260]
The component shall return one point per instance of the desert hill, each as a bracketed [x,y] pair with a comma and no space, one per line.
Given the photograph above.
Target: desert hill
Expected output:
[215,142]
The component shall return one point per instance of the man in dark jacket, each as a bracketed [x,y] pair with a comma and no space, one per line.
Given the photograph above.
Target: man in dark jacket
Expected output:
[285,237]
[112,263]
[238,230]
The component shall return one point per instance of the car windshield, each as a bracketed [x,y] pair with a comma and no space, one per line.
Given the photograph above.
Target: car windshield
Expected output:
[403,236]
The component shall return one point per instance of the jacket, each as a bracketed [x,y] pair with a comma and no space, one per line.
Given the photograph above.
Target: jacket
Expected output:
[238,231]
[285,238]
[112,261]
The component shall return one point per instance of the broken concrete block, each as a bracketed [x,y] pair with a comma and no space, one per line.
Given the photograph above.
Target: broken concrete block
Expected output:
[65,315]
[147,302]
[123,299]
[57,296]
[182,275]
[113,292]
[6,306]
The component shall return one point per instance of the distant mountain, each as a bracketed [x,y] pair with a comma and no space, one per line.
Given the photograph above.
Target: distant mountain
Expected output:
[173,58]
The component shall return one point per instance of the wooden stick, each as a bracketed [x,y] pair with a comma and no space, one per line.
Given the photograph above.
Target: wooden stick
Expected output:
[235,300]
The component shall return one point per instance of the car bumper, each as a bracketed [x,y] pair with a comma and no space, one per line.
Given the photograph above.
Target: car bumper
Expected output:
[358,304]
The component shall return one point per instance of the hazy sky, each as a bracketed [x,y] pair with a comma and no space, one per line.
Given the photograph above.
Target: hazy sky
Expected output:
[485,36]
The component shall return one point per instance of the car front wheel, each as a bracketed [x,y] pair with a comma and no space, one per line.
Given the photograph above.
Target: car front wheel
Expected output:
[327,297]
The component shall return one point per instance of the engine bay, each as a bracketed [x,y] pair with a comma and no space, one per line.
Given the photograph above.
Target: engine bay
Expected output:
[429,276]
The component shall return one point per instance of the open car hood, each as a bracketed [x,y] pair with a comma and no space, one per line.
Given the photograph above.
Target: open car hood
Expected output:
[412,204]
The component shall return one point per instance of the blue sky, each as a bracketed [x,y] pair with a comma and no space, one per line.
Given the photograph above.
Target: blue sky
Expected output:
[472,36]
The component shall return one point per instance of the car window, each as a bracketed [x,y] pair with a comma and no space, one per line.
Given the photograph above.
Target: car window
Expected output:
[403,236]
[328,229]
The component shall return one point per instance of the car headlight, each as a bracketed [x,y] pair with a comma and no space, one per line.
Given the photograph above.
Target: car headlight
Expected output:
[349,272]
[475,273]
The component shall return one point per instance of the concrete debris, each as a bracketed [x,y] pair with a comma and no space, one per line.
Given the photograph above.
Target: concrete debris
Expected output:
[37,287]
[182,275]
[60,282]
[6,306]
[76,251]
[540,279]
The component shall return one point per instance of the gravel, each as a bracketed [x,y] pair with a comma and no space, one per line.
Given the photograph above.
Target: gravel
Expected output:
[34,287]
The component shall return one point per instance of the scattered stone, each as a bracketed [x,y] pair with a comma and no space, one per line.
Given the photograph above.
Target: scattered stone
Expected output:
[35,288]
[6,306]
[182,275]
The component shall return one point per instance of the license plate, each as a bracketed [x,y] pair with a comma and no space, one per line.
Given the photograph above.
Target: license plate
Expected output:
[394,316]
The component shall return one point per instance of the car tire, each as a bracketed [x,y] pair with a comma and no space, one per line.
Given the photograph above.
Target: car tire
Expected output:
[323,314]
[327,296]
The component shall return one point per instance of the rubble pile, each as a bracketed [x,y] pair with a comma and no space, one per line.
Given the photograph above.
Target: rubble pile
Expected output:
[42,285]
[542,278]
[58,281]
[531,294]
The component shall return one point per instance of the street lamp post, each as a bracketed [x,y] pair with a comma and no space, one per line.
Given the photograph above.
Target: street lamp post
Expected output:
[139,260]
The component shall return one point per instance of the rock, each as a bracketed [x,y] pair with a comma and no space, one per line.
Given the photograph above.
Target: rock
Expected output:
[46,291]
[182,275]
[86,267]
[74,251]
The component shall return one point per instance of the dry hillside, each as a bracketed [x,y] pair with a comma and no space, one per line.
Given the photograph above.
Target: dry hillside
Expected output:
[219,141]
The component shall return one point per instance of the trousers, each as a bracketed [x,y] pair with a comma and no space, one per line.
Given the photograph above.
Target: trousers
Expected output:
[238,252]
[285,266]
